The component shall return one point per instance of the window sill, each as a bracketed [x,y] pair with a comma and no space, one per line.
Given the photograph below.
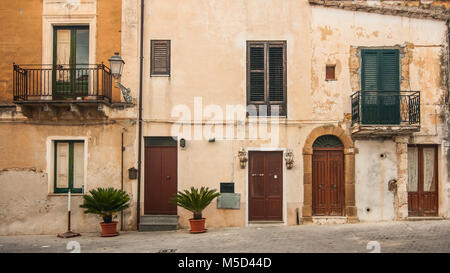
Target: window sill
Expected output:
[162,75]
[65,194]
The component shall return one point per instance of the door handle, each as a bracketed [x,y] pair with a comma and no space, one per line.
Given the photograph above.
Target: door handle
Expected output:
[167,177]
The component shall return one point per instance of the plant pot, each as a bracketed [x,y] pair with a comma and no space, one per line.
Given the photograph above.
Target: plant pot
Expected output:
[109,229]
[197,226]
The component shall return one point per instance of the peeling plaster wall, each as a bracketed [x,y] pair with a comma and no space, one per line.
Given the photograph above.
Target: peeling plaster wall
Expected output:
[373,172]
[27,205]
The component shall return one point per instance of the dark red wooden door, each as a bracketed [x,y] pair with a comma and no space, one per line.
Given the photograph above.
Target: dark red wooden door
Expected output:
[422,180]
[265,178]
[160,180]
[328,182]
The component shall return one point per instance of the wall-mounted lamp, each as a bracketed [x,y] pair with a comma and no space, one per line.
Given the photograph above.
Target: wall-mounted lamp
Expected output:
[116,64]
[182,143]
[289,157]
[242,154]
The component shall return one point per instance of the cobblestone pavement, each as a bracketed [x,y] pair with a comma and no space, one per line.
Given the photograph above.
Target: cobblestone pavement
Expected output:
[404,236]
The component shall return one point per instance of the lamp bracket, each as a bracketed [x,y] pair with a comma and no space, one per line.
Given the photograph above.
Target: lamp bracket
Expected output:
[125,92]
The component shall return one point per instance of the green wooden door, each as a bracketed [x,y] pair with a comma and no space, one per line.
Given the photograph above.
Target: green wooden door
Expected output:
[381,86]
[70,61]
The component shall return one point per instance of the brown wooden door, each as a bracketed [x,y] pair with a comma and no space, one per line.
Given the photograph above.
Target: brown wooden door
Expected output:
[328,182]
[265,178]
[160,179]
[422,180]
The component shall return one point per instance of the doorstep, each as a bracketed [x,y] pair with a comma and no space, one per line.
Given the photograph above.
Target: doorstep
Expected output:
[325,220]
[424,218]
[265,223]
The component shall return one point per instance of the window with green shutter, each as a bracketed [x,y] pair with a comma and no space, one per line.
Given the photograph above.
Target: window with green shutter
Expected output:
[266,76]
[68,166]
[380,83]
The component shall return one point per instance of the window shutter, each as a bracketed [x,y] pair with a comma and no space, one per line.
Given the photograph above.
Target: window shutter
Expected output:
[370,65]
[389,74]
[160,57]
[276,74]
[256,73]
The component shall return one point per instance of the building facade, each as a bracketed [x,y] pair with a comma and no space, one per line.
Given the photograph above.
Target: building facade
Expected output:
[308,111]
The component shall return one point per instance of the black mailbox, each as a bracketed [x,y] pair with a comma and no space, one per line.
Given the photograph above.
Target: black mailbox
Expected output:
[132,173]
[227,187]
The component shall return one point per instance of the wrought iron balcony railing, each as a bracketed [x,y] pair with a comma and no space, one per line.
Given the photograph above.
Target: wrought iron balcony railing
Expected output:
[62,82]
[386,108]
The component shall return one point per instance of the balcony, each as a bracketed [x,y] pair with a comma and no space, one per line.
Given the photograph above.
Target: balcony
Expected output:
[385,113]
[62,84]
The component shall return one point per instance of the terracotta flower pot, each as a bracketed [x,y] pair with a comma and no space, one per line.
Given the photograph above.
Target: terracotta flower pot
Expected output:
[197,226]
[109,229]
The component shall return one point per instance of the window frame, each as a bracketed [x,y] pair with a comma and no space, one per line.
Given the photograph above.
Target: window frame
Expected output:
[267,44]
[70,169]
[152,62]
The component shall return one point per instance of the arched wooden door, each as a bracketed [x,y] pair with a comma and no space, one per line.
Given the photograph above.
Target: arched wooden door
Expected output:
[328,176]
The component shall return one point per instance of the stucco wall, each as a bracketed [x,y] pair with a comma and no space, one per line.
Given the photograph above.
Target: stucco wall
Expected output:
[375,164]
[21,34]
[27,202]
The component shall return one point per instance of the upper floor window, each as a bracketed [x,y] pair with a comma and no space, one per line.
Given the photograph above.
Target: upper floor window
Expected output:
[71,61]
[160,57]
[380,70]
[266,76]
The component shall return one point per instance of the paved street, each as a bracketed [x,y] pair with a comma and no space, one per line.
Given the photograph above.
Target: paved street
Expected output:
[419,236]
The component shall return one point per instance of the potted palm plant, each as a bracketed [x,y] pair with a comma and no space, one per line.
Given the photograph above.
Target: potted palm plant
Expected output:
[196,201]
[106,202]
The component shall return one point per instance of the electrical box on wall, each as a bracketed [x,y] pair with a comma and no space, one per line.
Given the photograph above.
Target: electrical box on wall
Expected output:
[229,201]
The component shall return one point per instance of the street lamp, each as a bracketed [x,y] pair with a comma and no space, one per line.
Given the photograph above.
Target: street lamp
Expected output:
[116,64]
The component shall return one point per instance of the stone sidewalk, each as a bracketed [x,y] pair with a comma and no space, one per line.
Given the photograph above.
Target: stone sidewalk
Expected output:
[403,236]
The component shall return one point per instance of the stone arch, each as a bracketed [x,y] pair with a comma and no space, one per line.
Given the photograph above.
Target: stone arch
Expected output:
[349,171]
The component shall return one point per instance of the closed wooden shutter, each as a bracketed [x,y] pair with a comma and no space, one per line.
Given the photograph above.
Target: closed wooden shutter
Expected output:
[266,74]
[369,70]
[160,57]
[389,73]
[380,70]
[257,74]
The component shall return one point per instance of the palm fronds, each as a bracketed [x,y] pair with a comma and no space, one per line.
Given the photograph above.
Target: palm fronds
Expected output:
[105,202]
[195,200]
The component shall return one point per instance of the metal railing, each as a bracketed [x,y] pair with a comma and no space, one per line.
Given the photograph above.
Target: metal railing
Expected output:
[62,82]
[386,107]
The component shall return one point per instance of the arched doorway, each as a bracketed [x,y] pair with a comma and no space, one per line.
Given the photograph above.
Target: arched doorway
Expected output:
[328,176]
[349,208]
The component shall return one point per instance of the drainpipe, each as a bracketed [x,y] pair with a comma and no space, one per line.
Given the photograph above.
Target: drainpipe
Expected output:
[141,58]
[121,177]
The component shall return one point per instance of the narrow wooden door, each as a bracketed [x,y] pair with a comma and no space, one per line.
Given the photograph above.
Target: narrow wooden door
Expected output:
[265,178]
[160,179]
[328,182]
[422,180]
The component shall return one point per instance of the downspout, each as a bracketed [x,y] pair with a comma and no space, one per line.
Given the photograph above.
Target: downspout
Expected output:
[141,58]
[121,178]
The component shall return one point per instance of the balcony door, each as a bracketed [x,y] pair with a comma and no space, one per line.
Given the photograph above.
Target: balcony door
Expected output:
[70,61]
[380,83]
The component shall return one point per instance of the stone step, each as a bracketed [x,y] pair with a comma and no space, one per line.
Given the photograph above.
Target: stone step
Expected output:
[158,222]
[326,220]
[425,218]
